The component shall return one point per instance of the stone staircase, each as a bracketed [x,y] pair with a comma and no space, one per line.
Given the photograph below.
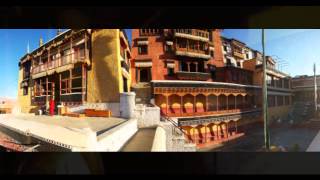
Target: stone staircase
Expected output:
[140,142]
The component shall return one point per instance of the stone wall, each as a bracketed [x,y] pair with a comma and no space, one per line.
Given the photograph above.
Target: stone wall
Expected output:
[175,141]
[147,116]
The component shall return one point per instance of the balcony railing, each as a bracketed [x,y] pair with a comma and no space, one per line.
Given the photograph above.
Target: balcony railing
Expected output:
[64,60]
[197,76]
[238,54]
[196,53]
[192,34]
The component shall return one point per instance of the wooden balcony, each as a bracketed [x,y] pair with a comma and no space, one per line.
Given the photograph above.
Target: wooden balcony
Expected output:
[196,76]
[195,53]
[59,62]
[238,54]
[192,113]
[194,34]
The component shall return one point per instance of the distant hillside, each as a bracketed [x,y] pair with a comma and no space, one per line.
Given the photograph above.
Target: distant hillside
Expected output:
[5,100]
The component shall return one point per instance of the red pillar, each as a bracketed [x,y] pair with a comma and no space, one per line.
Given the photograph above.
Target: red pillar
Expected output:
[181,105]
[167,104]
[217,103]
[207,104]
[205,134]
[194,104]
[227,129]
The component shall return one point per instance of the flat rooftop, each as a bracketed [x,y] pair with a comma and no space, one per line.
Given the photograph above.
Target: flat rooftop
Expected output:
[71,132]
[95,124]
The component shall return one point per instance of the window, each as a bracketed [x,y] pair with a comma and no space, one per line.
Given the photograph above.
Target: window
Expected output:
[170,71]
[168,48]
[225,48]
[144,74]
[184,66]
[229,62]
[279,100]
[25,91]
[287,101]
[143,49]
[182,43]
[269,80]
[271,101]
[212,53]
[146,32]
[247,55]
[238,64]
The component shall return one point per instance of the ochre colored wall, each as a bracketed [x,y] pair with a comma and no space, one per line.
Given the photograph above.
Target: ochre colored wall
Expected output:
[120,72]
[104,76]
[24,102]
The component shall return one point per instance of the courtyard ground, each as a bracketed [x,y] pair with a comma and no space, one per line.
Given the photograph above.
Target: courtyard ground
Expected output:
[291,137]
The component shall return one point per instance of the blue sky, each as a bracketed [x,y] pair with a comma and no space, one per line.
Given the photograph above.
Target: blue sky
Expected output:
[297,47]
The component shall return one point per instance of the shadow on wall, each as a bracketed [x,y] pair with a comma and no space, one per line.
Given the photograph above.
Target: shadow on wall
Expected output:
[105,81]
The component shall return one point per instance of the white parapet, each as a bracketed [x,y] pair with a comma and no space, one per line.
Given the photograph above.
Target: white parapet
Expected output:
[127,104]
[114,139]
[148,117]
[160,140]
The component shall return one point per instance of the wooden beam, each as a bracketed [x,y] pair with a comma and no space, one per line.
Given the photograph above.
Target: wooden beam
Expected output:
[227,103]
[205,134]
[40,87]
[60,84]
[71,49]
[47,86]
[181,105]
[207,104]
[194,104]
[227,129]
[167,106]
[236,124]
[217,103]
[83,83]
[70,81]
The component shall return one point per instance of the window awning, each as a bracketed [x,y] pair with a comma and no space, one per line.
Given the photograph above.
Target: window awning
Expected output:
[170,64]
[143,42]
[38,75]
[170,43]
[143,64]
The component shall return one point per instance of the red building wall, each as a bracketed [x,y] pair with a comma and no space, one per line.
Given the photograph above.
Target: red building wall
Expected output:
[156,53]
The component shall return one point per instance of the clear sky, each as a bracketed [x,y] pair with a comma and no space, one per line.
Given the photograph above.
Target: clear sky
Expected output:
[296,48]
